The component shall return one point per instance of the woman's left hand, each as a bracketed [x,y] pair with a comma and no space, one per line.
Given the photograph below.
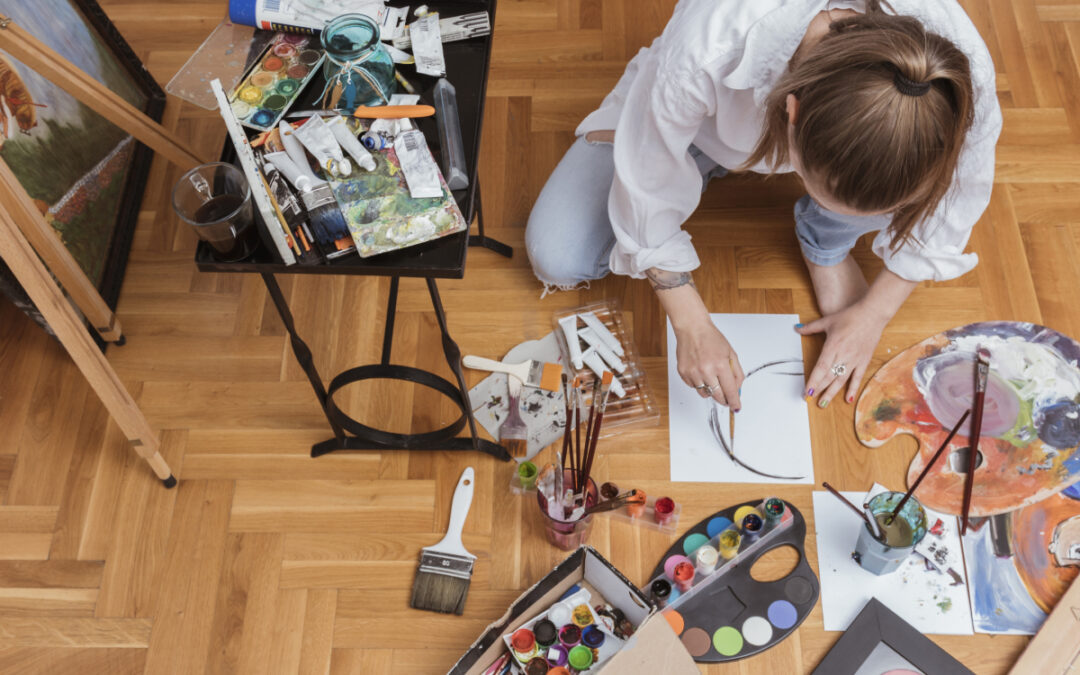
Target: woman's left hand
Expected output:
[850,338]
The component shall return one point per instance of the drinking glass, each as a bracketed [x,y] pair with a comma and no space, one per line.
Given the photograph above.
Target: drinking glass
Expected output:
[215,200]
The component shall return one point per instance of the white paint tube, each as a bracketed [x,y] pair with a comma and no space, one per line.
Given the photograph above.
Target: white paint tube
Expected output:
[602,332]
[569,329]
[350,144]
[320,142]
[292,146]
[610,357]
[453,28]
[427,46]
[421,171]
[596,364]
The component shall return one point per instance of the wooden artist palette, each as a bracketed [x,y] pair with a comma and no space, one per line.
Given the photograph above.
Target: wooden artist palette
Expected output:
[728,615]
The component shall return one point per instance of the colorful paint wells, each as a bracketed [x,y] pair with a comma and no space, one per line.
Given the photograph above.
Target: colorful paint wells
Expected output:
[727,615]
[274,82]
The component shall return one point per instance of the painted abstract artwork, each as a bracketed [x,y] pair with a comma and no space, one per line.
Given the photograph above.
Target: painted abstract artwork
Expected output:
[1025,546]
[84,174]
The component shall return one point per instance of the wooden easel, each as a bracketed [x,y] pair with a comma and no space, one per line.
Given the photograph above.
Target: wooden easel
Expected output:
[24,235]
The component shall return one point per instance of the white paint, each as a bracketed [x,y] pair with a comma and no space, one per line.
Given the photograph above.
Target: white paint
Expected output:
[757,630]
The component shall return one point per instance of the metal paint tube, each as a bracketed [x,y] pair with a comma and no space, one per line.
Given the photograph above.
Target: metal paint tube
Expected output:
[601,330]
[569,328]
[348,141]
[611,358]
[320,142]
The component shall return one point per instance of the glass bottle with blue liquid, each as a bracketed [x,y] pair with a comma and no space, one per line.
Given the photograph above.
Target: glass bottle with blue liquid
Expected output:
[358,69]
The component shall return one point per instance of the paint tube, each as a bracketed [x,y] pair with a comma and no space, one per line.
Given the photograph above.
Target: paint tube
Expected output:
[291,211]
[602,332]
[292,146]
[345,138]
[421,171]
[454,28]
[596,364]
[306,17]
[320,142]
[427,46]
[569,329]
[610,357]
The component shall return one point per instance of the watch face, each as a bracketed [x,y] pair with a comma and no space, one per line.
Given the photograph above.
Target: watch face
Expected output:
[1065,545]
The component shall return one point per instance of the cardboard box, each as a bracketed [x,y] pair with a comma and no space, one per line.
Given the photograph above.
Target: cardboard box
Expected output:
[653,648]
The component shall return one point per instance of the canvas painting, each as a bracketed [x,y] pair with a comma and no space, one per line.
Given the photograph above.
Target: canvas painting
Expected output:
[768,440]
[79,169]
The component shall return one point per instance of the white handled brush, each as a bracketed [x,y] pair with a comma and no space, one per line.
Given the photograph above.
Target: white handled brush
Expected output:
[531,373]
[442,580]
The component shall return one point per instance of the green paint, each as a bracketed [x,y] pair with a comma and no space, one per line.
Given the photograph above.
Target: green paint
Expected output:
[886,411]
[728,641]
[693,543]
[945,605]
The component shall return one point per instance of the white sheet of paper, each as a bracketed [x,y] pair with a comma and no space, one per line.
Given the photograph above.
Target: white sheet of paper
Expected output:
[927,599]
[772,431]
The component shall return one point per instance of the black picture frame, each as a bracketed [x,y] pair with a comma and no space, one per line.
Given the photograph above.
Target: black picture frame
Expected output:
[130,202]
[877,624]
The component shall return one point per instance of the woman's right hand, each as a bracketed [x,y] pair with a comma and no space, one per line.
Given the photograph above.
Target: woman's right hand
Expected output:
[706,357]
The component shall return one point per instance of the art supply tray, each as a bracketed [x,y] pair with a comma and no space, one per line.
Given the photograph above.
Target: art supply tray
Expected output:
[274,83]
[638,406]
[728,615]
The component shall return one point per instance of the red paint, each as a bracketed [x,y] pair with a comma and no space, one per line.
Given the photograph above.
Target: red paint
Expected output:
[663,509]
[273,63]
[523,641]
[684,576]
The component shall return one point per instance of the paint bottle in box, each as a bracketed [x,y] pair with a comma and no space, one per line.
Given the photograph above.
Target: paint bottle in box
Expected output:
[545,633]
[728,547]
[661,592]
[752,526]
[705,559]
[523,643]
[774,512]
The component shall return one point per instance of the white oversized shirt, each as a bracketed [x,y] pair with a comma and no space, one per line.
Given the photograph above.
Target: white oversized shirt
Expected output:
[704,82]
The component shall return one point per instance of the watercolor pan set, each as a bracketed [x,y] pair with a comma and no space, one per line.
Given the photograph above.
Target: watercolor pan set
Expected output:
[275,81]
[634,403]
[703,582]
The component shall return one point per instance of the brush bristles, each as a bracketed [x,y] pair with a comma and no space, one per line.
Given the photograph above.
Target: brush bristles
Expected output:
[438,592]
[551,377]
[517,447]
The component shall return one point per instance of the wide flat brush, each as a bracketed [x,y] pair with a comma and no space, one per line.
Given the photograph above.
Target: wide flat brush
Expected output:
[513,432]
[982,373]
[325,215]
[536,374]
[442,580]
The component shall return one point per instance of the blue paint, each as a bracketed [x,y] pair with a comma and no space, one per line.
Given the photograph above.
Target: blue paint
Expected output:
[1002,602]
[717,525]
[782,614]
[1073,491]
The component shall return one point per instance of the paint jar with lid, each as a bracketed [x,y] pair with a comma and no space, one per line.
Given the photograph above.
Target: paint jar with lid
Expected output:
[637,509]
[570,635]
[523,642]
[537,666]
[683,576]
[663,509]
[774,511]
[545,632]
[728,543]
[557,655]
[592,637]
[705,559]
[560,614]
[752,525]
[358,69]
[661,592]
[558,670]
[581,658]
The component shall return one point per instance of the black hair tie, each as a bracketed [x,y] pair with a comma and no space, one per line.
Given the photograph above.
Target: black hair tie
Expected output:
[910,87]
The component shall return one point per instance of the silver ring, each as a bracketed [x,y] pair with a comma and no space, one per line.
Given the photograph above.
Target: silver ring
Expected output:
[705,388]
[838,369]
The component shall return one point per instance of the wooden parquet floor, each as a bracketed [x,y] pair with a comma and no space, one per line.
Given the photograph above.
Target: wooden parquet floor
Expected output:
[264,560]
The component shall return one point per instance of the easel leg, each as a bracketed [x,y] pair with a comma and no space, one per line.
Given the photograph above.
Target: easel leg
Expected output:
[483,240]
[31,273]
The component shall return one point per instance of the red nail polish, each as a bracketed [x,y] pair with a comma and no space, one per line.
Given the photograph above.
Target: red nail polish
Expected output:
[851,399]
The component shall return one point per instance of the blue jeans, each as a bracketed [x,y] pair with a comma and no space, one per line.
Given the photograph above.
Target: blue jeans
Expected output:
[569,236]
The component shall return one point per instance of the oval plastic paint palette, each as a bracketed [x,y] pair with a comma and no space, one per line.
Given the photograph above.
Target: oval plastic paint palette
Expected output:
[727,615]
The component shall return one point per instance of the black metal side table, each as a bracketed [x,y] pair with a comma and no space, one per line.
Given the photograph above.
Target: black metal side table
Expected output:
[467,68]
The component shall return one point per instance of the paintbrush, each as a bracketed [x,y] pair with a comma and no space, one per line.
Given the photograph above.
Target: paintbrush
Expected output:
[594,437]
[856,509]
[324,214]
[926,470]
[982,373]
[618,502]
[442,580]
[536,374]
[513,433]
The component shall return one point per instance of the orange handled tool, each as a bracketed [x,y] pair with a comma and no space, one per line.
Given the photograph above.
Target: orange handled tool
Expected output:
[393,112]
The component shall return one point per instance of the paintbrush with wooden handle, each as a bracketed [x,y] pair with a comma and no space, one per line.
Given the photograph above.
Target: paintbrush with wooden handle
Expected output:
[513,433]
[982,373]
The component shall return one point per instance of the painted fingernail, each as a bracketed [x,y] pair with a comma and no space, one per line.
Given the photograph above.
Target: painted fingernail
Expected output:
[851,398]
[810,392]
[824,403]
[738,409]
[798,325]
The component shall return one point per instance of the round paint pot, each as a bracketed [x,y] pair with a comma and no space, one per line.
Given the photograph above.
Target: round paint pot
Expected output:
[558,670]
[582,616]
[559,614]
[592,637]
[545,633]
[523,643]
[774,511]
[752,525]
[240,109]
[293,38]
[729,544]
[742,512]
[263,79]
[284,50]
[570,635]
[705,559]
[250,95]
[298,72]
[275,102]
[272,64]
[527,475]
[373,142]
[661,592]
[637,510]
[263,118]
[663,509]
[609,491]
[684,576]
[309,57]
[287,87]
[537,666]
[558,655]
[581,658]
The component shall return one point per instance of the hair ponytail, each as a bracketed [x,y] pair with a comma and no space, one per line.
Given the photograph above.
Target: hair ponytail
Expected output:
[884,107]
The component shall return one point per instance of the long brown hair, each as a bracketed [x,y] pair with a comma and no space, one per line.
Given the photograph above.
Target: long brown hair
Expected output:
[884,107]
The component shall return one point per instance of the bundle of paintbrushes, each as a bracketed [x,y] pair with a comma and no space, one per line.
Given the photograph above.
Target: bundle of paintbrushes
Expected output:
[571,501]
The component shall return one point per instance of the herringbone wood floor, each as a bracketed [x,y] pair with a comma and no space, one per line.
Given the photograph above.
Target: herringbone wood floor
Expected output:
[264,560]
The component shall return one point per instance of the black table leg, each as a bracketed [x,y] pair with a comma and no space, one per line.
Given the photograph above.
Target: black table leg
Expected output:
[482,240]
[302,352]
